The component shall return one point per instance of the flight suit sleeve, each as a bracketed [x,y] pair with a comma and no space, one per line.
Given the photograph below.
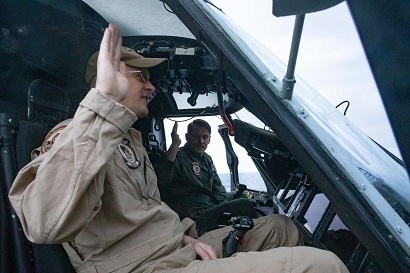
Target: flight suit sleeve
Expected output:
[164,169]
[218,190]
[60,191]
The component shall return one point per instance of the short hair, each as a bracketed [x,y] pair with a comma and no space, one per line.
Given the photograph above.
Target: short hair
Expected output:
[199,123]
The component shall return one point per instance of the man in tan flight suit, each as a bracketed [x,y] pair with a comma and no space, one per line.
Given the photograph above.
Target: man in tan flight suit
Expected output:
[94,190]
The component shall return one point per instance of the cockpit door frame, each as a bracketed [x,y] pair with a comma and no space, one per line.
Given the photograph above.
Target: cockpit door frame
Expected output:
[355,212]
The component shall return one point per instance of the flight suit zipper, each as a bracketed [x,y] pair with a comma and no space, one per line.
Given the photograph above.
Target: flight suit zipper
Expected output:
[135,185]
[144,196]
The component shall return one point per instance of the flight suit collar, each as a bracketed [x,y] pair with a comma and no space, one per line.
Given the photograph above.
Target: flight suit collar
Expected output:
[192,155]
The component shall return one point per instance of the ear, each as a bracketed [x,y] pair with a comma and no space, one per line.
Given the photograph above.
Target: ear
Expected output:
[186,136]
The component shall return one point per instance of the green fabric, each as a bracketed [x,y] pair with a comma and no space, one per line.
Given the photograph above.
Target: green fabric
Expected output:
[229,195]
[190,184]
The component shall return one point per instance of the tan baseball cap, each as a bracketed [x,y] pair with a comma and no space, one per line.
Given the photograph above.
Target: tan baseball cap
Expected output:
[157,67]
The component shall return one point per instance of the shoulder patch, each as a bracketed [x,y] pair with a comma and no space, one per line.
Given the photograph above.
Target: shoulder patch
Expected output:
[128,154]
[50,139]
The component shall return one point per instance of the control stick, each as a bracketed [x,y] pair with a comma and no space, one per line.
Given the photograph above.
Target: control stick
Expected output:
[241,225]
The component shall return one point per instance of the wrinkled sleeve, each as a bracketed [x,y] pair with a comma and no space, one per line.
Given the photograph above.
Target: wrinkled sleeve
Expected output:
[60,191]
[189,227]
[219,190]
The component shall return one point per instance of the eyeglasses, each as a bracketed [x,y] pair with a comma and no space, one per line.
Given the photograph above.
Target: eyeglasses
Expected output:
[139,74]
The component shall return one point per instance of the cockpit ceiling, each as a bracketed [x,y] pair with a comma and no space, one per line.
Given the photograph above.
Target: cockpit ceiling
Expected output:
[140,18]
[58,41]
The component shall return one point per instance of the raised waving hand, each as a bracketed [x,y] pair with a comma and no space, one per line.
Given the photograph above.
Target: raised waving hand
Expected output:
[174,147]
[111,80]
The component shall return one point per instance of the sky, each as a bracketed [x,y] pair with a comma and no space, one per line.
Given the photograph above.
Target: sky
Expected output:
[331,60]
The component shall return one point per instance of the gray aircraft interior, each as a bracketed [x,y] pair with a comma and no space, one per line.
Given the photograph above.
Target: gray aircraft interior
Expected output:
[306,150]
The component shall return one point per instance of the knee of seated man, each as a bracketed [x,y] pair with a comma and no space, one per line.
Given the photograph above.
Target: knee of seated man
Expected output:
[244,207]
[276,220]
[333,262]
[282,224]
[318,260]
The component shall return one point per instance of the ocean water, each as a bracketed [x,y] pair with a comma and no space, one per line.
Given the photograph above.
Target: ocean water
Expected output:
[252,180]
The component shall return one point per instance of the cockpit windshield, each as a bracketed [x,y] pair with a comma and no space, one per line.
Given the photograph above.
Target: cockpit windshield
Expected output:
[378,176]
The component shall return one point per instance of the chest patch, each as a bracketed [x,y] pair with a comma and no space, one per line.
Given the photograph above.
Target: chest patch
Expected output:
[128,154]
[196,168]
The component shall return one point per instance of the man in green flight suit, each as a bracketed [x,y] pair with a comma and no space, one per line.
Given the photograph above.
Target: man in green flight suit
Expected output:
[189,184]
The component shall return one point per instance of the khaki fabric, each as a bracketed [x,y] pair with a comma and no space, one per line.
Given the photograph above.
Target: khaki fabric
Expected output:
[278,260]
[268,232]
[95,191]
[82,192]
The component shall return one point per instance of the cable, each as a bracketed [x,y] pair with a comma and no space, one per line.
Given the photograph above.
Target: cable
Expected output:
[190,117]
[181,120]
[91,27]
[347,107]
[212,4]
